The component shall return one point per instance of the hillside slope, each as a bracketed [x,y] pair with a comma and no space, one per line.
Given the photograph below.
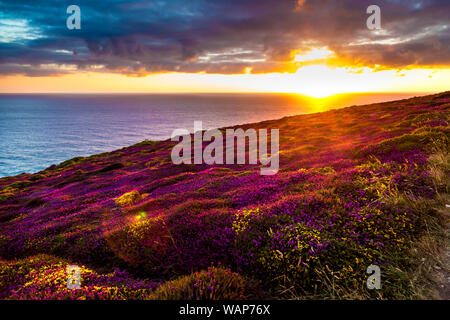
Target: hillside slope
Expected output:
[356,186]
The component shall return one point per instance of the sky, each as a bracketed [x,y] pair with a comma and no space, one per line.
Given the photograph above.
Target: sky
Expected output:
[313,47]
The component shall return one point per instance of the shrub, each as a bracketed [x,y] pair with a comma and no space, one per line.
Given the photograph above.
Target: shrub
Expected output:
[69,162]
[141,243]
[111,167]
[35,202]
[36,177]
[216,283]
[130,198]
[19,184]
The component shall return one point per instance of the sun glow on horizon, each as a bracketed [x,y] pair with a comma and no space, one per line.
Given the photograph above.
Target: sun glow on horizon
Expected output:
[313,78]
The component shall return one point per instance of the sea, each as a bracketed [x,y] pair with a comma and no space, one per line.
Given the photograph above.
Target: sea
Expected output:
[39,130]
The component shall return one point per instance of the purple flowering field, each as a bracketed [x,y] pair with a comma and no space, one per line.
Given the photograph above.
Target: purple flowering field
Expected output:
[357,186]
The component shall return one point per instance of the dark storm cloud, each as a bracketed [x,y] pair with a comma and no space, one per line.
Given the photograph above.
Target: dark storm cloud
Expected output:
[139,37]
